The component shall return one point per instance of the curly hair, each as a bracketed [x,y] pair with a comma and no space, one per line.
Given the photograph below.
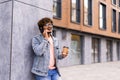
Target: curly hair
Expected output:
[43,22]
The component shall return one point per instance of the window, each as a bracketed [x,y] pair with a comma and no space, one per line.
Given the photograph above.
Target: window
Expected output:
[113,20]
[118,50]
[57,8]
[102,16]
[119,3]
[95,50]
[119,23]
[76,49]
[75,11]
[88,12]
[114,2]
[109,50]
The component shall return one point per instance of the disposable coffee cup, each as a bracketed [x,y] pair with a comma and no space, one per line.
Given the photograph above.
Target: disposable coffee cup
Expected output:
[65,49]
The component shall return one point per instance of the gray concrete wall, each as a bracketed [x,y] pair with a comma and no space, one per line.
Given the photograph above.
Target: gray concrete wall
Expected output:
[5,38]
[114,51]
[87,49]
[18,24]
[103,50]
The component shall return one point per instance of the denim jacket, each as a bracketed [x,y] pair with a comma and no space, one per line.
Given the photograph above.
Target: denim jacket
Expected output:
[41,48]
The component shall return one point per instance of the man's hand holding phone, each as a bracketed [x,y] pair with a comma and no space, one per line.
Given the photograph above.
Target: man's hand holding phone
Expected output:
[45,33]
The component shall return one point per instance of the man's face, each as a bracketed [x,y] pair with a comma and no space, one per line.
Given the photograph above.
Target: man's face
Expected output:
[48,27]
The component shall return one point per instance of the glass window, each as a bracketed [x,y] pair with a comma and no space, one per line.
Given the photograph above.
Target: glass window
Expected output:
[109,50]
[119,23]
[75,49]
[118,50]
[119,3]
[57,8]
[102,16]
[114,2]
[88,12]
[75,11]
[95,50]
[113,20]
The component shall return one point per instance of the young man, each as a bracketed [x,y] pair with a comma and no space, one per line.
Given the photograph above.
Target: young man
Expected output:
[47,52]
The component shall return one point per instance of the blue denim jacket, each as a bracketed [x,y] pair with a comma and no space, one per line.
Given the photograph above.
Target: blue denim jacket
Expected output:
[42,54]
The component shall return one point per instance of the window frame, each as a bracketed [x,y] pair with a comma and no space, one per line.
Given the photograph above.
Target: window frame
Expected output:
[119,3]
[110,42]
[77,10]
[112,1]
[81,43]
[118,50]
[119,22]
[104,25]
[96,41]
[58,9]
[88,12]
[114,21]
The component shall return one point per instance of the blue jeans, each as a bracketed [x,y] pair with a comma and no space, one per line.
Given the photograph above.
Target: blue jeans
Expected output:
[52,75]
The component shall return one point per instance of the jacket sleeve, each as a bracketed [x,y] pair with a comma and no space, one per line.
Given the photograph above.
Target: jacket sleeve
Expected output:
[60,56]
[39,47]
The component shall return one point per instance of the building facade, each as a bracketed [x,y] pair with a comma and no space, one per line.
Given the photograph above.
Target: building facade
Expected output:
[90,28]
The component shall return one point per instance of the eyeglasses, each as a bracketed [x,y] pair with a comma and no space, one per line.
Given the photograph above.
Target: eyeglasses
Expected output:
[50,25]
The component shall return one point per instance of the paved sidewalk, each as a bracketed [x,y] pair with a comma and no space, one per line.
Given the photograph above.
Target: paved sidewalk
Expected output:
[98,71]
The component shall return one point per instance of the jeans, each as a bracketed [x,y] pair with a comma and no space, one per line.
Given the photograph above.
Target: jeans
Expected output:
[52,75]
